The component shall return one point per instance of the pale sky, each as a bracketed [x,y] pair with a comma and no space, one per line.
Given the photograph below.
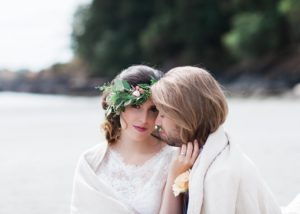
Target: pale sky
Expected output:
[34,34]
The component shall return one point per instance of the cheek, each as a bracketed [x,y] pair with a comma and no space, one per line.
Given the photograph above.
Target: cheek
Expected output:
[126,116]
[123,122]
[170,128]
[152,118]
[130,113]
[152,115]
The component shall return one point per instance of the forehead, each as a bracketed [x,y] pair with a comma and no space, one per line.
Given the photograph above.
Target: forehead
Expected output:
[148,103]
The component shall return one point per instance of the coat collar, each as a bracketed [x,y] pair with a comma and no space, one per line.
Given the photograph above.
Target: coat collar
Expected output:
[214,145]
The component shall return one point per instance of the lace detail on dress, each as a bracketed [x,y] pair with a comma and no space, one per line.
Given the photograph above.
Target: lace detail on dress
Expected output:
[139,187]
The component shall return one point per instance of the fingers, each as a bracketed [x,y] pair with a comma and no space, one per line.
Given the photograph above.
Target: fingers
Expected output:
[185,158]
[183,150]
[196,151]
[192,152]
[189,150]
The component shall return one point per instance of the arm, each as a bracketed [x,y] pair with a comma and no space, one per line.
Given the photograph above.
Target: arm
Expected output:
[183,160]
[170,203]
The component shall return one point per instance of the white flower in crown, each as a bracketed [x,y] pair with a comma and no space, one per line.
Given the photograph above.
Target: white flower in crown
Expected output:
[136,93]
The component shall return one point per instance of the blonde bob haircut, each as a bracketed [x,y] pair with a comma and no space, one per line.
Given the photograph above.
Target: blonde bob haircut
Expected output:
[193,99]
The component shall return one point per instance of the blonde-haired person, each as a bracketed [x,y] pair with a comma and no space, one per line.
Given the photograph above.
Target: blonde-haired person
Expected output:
[126,173]
[223,180]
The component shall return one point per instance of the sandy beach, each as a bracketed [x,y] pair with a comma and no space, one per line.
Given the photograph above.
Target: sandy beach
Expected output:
[42,136]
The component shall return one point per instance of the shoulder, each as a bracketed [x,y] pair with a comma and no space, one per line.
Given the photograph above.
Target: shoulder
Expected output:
[95,154]
[164,157]
[96,148]
[233,164]
[225,167]
[168,151]
[232,168]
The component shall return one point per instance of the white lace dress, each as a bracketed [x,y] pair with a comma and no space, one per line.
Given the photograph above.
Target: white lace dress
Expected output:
[139,187]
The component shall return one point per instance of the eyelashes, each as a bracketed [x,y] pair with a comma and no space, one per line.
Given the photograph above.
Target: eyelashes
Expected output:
[153,109]
[136,106]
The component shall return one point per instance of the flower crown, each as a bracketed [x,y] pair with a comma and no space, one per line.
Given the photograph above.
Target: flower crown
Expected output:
[122,94]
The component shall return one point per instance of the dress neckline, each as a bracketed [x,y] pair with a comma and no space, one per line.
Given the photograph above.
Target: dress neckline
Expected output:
[119,158]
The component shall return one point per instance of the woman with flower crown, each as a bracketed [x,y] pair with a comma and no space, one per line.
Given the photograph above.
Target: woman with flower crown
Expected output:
[127,173]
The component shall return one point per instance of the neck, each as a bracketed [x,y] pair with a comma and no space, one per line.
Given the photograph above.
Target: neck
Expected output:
[136,152]
[132,146]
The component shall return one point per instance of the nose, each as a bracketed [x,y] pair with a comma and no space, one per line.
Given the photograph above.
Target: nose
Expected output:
[143,117]
[158,120]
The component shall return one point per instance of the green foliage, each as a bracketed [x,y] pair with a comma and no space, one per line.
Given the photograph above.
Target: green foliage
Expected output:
[290,9]
[109,41]
[112,34]
[185,30]
[157,41]
[252,35]
[122,94]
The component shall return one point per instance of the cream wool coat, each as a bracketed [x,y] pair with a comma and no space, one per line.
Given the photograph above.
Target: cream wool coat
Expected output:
[224,181]
[90,195]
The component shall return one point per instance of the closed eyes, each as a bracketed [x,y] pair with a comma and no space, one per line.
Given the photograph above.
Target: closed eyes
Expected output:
[153,109]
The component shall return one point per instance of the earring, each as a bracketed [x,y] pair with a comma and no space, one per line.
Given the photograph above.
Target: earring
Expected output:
[157,128]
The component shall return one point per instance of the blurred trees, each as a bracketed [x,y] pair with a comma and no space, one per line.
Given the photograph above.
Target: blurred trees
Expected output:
[113,34]
[290,9]
[106,33]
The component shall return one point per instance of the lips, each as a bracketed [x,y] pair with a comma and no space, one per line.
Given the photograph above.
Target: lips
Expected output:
[140,129]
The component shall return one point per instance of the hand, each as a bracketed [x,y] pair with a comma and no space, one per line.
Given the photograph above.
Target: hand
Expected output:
[184,159]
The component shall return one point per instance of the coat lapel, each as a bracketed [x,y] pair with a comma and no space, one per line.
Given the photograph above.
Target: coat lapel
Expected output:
[214,145]
[90,194]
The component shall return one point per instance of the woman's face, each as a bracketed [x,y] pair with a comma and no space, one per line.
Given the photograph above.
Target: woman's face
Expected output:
[138,121]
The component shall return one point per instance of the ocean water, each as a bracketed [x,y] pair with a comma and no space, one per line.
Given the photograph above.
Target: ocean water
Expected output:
[42,136]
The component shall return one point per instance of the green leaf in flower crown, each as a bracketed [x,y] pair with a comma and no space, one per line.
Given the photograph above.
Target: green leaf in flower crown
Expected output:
[143,85]
[153,81]
[120,95]
[108,111]
[139,98]
[118,85]
[104,87]
[122,109]
[113,97]
[120,104]
[128,102]
[126,85]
